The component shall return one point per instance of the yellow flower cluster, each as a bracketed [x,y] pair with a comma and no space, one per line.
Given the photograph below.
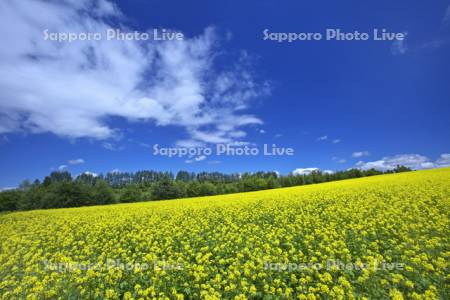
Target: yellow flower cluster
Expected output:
[387,236]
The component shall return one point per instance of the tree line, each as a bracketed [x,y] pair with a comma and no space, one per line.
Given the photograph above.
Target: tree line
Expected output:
[60,189]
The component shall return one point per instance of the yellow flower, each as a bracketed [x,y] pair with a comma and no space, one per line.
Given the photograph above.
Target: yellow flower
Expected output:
[395,294]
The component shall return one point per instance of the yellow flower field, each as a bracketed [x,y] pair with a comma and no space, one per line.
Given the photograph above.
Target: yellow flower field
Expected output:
[375,238]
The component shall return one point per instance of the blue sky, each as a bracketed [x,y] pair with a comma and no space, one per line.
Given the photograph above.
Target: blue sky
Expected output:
[99,106]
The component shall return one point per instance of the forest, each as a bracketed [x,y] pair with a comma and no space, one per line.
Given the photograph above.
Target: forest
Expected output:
[59,189]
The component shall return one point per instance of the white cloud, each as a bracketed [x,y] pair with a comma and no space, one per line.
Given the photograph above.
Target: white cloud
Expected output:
[413,161]
[360,154]
[91,174]
[7,189]
[76,161]
[278,135]
[62,167]
[399,47]
[105,8]
[326,138]
[443,160]
[72,89]
[262,131]
[195,159]
[328,172]
[304,171]
[200,158]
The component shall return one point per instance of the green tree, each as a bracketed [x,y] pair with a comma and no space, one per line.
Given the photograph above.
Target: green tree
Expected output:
[57,176]
[166,189]
[9,200]
[207,189]
[101,193]
[130,193]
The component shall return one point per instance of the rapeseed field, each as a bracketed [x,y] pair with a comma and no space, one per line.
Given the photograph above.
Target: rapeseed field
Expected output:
[383,237]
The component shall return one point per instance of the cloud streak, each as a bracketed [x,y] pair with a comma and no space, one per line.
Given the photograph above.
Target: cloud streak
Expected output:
[360,154]
[76,161]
